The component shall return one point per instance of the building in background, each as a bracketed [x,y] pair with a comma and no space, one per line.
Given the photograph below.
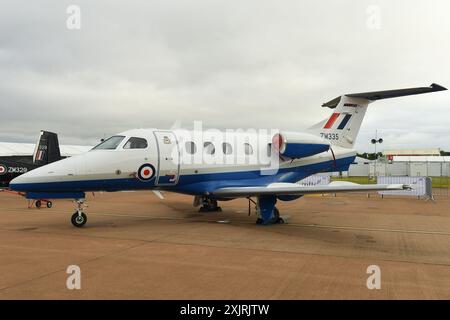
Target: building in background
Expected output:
[26,150]
[412,163]
[390,154]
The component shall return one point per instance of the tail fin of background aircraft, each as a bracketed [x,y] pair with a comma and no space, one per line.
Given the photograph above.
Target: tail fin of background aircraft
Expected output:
[47,149]
[342,127]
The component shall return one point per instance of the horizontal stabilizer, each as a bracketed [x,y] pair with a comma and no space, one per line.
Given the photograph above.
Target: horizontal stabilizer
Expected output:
[378,95]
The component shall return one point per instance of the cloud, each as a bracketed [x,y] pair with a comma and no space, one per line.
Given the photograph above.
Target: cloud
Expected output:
[254,64]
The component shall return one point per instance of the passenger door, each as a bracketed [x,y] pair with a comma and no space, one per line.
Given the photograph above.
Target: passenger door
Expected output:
[168,158]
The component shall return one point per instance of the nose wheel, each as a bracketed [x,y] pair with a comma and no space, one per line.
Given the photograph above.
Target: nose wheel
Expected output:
[79,218]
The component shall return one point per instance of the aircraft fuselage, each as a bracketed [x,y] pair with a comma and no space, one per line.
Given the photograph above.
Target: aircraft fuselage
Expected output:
[192,164]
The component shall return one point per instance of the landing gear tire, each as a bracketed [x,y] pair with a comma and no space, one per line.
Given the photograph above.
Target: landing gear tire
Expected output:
[209,209]
[276,216]
[259,221]
[276,213]
[79,219]
[275,219]
[49,204]
[38,204]
[209,205]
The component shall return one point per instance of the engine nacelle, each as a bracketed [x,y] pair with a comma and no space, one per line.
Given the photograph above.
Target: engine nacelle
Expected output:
[299,145]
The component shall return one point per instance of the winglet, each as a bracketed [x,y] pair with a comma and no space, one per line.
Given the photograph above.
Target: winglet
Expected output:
[438,87]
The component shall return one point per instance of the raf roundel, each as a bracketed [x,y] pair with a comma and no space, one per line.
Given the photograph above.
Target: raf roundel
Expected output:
[2,169]
[146,172]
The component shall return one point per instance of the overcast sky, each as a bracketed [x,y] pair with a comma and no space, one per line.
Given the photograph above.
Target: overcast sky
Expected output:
[231,64]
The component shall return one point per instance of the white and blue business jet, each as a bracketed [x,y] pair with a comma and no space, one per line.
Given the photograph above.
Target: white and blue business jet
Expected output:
[216,167]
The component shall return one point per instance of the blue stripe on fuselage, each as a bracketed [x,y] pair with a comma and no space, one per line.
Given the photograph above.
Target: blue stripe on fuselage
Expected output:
[192,183]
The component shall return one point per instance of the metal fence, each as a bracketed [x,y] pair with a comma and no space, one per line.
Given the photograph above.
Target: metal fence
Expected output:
[409,169]
[367,173]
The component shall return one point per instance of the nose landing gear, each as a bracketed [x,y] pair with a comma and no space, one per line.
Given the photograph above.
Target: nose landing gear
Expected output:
[79,218]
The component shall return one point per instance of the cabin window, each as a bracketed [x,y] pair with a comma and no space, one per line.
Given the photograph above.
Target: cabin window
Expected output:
[136,143]
[190,146]
[248,149]
[110,143]
[226,148]
[209,148]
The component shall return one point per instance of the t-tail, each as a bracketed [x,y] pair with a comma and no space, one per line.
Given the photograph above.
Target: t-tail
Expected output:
[47,149]
[342,127]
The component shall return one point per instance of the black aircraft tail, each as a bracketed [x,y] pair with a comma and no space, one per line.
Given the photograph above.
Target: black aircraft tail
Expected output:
[47,149]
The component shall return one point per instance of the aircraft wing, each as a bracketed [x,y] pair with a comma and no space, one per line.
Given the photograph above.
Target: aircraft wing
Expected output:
[294,189]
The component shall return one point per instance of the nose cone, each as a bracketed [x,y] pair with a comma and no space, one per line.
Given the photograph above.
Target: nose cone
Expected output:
[29,181]
[24,182]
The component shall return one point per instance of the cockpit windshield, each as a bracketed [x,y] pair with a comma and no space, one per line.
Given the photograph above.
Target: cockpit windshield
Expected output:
[136,143]
[110,143]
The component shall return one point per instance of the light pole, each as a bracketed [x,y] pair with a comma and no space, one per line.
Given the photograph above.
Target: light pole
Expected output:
[374,142]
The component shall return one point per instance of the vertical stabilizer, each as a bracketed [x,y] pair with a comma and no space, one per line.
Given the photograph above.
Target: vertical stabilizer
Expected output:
[47,149]
[342,127]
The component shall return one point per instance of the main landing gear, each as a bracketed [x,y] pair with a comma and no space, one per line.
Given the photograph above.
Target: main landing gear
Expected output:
[276,219]
[207,204]
[79,218]
[267,212]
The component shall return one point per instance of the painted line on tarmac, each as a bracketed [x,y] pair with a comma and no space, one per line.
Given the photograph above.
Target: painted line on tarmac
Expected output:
[369,229]
[290,224]
[197,219]
[287,224]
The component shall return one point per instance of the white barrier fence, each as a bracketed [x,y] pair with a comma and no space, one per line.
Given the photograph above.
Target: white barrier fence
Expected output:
[420,186]
[411,169]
